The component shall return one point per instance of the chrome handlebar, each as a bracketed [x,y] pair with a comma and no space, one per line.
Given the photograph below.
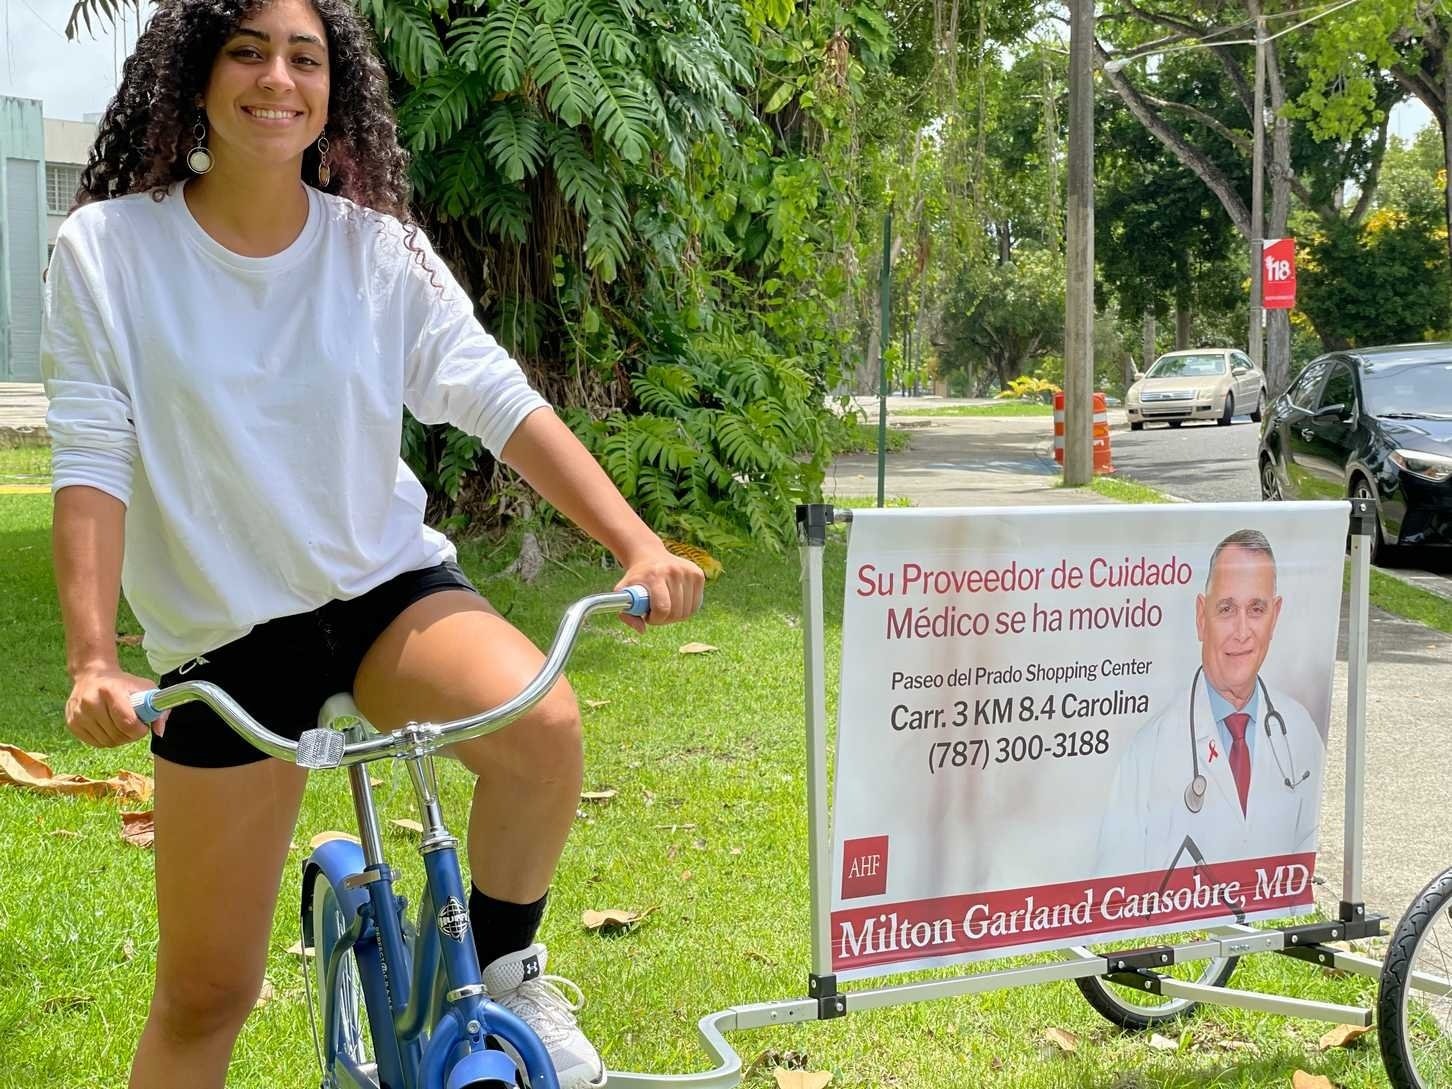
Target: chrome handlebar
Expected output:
[327,748]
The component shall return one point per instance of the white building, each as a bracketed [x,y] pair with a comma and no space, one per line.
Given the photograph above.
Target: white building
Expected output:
[40,170]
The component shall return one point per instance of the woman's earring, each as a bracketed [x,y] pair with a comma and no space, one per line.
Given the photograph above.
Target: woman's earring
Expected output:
[199,159]
[324,174]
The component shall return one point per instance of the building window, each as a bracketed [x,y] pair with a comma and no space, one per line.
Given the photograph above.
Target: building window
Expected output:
[61,182]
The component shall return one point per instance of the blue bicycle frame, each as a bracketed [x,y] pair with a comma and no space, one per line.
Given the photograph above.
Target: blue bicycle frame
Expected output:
[431,1031]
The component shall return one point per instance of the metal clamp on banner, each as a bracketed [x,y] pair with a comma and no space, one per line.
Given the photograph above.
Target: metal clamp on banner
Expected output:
[830,1002]
[1363,517]
[1142,960]
[812,522]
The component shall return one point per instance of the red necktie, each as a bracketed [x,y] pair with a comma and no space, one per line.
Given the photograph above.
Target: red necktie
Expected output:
[1239,754]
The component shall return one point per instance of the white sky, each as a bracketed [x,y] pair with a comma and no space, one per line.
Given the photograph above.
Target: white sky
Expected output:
[77,78]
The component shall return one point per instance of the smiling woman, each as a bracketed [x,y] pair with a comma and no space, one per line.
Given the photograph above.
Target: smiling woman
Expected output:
[237,312]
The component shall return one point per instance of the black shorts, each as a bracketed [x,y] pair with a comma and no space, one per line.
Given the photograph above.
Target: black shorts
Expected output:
[282,671]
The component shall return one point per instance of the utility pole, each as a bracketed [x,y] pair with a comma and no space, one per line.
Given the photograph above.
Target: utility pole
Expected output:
[886,289]
[1257,200]
[1079,252]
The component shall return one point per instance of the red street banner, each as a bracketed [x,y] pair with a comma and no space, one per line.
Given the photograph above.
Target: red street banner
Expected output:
[1278,268]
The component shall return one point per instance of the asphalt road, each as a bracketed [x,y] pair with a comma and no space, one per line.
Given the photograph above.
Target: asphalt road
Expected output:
[1199,461]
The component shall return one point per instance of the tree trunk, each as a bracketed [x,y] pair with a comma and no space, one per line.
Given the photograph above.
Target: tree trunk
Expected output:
[1184,315]
[1278,324]
[1150,333]
[1447,144]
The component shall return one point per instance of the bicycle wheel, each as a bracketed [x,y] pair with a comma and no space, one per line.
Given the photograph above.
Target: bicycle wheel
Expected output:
[1414,1005]
[1136,1009]
[340,1015]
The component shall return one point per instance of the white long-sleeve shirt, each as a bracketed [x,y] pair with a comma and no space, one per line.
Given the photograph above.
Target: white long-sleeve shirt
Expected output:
[248,411]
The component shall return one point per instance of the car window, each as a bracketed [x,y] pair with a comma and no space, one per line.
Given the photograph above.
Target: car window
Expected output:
[1303,392]
[1187,366]
[1340,388]
[1418,389]
[1241,361]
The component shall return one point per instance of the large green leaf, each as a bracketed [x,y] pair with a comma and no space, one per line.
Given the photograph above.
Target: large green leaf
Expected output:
[564,69]
[439,107]
[515,139]
[409,39]
[502,52]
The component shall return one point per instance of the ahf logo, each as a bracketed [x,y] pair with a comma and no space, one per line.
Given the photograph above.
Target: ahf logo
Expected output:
[864,867]
[454,919]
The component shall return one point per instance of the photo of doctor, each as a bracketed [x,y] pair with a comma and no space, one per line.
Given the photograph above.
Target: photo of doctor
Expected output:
[1230,762]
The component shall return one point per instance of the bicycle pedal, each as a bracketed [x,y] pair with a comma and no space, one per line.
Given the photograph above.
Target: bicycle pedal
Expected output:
[319,748]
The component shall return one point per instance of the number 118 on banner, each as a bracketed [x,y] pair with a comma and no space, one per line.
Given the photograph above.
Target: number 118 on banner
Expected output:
[1278,273]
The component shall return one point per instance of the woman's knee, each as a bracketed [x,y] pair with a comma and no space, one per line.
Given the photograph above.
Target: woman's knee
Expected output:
[545,745]
[200,1002]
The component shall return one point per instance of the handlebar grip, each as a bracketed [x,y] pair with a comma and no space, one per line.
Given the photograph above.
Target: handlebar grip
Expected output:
[145,710]
[639,600]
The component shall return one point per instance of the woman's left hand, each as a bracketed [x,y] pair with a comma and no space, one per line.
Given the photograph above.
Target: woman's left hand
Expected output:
[675,585]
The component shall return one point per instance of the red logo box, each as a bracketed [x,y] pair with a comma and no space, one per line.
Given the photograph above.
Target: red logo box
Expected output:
[864,867]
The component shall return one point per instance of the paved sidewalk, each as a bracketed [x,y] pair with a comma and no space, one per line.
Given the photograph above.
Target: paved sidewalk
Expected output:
[22,412]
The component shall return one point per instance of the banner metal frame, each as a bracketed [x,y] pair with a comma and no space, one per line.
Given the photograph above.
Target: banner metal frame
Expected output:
[825,1001]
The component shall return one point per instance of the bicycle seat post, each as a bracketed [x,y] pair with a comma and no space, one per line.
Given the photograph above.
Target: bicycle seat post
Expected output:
[363,807]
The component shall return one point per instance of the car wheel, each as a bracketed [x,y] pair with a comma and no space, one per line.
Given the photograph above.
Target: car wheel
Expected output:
[1258,411]
[1136,425]
[1270,483]
[1381,552]
[1229,413]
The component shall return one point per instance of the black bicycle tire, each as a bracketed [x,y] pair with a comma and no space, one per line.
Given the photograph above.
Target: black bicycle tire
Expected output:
[1396,979]
[1138,1018]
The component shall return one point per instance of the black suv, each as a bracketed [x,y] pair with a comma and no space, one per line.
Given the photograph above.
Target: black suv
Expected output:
[1374,423]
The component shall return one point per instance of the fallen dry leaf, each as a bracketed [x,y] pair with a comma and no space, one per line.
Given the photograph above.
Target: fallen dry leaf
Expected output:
[64,833]
[138,829]
[1163,1043]
[1063,1039]
[594,704]
[408,824]
[1301,1080]
[61,1002]
[1342,1036]
[375,783]
[710,566]
[128,640]
[296,949]
[675,827]
[23,769]
[613,919]
[800,1079]
[597,795]
[696,648]
[265,995]
[128,950]
[323,837]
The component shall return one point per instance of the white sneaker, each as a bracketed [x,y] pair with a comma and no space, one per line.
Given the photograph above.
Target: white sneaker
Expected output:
[517,982]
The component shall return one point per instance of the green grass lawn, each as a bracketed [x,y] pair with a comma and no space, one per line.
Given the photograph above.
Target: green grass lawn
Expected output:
[708,827]
[1001,408]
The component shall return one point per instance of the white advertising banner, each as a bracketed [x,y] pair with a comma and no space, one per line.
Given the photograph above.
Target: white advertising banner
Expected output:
[1062,726]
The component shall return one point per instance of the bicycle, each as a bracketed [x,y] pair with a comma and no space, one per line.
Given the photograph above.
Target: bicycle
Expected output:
[397,1005]
[1414,1001]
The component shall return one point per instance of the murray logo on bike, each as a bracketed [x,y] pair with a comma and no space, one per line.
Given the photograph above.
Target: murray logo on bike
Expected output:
[454,919]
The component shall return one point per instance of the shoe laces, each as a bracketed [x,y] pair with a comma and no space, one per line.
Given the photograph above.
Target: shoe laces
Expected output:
[544,1004]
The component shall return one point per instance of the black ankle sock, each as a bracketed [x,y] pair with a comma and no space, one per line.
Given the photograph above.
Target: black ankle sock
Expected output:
[501,927]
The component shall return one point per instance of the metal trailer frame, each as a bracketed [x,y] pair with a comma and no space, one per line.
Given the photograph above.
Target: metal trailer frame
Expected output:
[1137,967]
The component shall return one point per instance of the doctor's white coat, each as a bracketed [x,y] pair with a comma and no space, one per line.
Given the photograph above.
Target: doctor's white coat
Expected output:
[1147,821]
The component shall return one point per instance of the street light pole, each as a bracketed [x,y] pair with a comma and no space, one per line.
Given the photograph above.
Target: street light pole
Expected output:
[1079,252]
[1257,216]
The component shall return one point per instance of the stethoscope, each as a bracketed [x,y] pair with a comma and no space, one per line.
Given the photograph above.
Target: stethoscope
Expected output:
[1195,792]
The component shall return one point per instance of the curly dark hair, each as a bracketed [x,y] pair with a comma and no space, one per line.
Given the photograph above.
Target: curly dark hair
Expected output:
[146,131]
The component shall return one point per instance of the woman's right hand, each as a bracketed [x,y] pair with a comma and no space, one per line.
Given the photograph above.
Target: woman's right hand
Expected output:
[99,712]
